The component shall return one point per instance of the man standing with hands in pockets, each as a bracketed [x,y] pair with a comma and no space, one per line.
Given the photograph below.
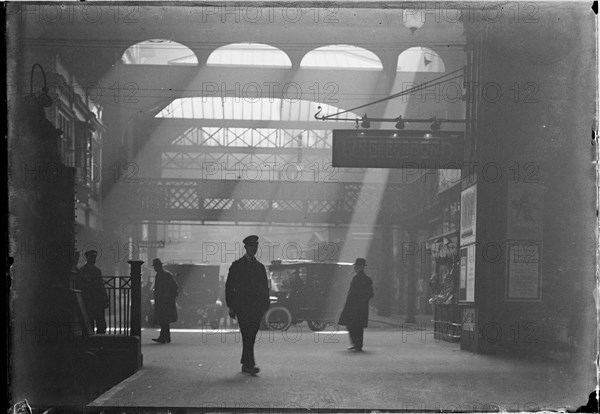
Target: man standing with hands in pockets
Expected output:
[355,314]
[247,297]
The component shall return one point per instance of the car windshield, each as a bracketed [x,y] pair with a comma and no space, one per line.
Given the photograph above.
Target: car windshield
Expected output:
[282,280]
[285,279]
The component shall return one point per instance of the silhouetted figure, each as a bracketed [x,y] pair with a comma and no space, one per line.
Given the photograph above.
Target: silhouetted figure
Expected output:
[355,315]
[74,270]
[146,302]
[247,297]
[592,406]
[165,309]
[89,281]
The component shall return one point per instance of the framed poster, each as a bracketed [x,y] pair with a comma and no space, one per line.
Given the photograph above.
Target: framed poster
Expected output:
[524,271]
[468,319]
[466,291]
[525,204]
[470,293]
[468,214]
[462,288]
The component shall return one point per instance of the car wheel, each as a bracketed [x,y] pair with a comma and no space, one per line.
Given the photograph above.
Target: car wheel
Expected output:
[316,326]
[278,318]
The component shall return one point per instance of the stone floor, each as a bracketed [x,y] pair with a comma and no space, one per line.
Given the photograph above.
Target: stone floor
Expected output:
[400,369]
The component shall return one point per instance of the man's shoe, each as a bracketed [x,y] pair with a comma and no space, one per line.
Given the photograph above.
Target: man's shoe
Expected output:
[159,340]
[351,348]
[250,370]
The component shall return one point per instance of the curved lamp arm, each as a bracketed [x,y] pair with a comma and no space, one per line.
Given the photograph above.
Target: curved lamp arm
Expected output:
[45,100]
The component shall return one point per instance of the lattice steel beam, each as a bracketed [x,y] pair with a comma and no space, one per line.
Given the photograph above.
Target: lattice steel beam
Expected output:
[247,137]
[285,202]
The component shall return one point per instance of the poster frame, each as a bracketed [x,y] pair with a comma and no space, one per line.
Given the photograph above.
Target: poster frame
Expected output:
[507,296]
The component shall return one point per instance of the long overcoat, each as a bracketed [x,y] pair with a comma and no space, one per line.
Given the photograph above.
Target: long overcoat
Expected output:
[165,292]
[356,309]
[89,281]
[247,289]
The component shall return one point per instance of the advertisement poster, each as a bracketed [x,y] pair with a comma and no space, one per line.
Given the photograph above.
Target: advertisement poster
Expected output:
[524,271]
[462,291]
[468,319]
[525,209]
[470,297]
[468,209]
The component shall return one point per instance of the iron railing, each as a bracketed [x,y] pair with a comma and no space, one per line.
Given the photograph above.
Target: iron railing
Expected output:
[118,315]
[123,316]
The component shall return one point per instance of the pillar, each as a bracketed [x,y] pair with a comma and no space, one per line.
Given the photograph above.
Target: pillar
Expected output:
[386,269]
[409,254]
[533,239]
[41,243]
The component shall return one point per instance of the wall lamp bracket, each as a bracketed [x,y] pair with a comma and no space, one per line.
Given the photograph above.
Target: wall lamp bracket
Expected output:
[44,99]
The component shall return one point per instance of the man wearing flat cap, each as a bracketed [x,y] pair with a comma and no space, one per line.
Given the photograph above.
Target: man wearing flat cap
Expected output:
[95,298]
[247,297]
[355,315]
[165,308]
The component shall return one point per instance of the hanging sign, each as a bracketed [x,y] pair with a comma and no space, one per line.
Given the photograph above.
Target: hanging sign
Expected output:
[397,149]
[149,244]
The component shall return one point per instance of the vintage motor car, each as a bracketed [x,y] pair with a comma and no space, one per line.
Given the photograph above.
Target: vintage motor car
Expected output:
[303,290]
[199,290]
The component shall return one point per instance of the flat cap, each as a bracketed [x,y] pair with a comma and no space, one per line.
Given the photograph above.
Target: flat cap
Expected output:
[156,261]
[251,240]
[91,253]
[360,261]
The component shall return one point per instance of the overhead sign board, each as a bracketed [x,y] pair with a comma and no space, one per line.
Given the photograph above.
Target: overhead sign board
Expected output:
[149,244]
[397,149]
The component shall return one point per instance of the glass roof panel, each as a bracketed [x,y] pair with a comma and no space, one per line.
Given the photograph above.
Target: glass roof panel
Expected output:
[159,52]
[263,109]
[420,59]
[249,54]
[341,57]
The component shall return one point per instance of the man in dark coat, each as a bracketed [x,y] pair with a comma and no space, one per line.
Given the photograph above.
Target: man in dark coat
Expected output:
[165,309]
[355,315]
[95,299]
[247,297]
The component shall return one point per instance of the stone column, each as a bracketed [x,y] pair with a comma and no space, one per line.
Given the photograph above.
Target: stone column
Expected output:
[386,269]
[534,178]
[409,252]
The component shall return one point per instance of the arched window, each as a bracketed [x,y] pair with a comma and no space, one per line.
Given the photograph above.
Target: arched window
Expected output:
[159,52]
[249,54]
[341,57]
[420,59]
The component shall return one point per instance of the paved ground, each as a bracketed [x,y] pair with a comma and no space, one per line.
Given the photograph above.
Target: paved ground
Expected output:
[400,369]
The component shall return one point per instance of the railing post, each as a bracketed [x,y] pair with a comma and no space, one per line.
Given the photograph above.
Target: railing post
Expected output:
[135,271]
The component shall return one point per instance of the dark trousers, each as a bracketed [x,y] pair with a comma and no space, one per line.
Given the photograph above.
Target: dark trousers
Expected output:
[249,329]
[165,332]
[356,336]
[98,320]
